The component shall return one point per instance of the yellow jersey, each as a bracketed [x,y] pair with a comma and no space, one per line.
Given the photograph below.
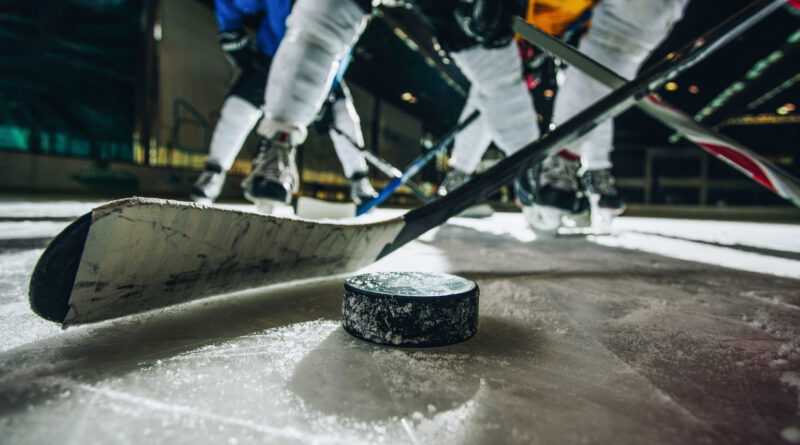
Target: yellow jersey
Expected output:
[556,17]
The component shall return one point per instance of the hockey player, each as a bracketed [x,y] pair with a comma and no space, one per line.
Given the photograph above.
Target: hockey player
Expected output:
[555,17]
[241,109]
[622,34]
[478,37]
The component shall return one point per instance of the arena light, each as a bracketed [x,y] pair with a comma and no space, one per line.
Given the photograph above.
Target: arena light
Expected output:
[408,97]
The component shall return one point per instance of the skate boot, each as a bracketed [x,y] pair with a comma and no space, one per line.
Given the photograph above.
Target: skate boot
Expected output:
[209,185]
[361,191]
[549,195]
[454,179]
[274,177]
[605,201]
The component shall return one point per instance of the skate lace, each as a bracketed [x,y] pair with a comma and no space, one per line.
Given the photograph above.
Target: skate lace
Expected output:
[600,182]
[272,162]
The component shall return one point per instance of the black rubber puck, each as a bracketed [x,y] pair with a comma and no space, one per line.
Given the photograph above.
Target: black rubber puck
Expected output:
[410,308]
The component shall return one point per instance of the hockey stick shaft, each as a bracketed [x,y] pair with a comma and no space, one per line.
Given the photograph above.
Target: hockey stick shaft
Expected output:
[731,152]
[416,165]
[480,187]
[382,165]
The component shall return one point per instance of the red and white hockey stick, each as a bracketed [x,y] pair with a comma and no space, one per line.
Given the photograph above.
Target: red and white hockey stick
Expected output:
[726,149]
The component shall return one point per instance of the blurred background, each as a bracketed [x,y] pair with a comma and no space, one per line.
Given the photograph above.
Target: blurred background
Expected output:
[113,98]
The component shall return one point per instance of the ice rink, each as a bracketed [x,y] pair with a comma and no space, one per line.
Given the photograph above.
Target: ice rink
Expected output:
[668,331]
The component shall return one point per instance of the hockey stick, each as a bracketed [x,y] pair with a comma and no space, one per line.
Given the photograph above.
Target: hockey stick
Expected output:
[416,165]
[383,166]
[480,187]
[139,254]
[731,152]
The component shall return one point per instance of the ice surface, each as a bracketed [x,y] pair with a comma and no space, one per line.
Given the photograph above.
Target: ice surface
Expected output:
[11,207]
[579,342]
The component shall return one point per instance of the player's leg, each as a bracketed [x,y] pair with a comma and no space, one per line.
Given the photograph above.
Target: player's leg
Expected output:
[500,94]
[354,165]
[318,33]
[622,36]
[468,147]
[239,114]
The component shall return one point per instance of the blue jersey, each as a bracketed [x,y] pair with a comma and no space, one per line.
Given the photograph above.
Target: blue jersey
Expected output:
[273,27]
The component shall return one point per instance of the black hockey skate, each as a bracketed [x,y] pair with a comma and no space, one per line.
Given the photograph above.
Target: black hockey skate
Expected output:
[550,196]
[453,180]
[361,190]
[605,200]
[274,177]
[208,186]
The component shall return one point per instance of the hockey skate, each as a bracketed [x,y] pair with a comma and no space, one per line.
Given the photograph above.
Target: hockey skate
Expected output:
[454,179]
[606,204]
[274,177]
[208,186]
[550,197]
[361,190]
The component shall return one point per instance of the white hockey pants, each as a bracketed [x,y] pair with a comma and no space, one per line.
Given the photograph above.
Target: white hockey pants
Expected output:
[237,117]
[622,36]
[498,91]
[346,119]
[319,33]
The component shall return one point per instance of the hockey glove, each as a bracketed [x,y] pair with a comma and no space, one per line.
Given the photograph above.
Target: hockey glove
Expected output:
[236,45]
[486,21]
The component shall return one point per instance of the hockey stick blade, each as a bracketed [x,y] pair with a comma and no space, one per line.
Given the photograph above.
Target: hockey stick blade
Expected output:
[137,254]
[729,151]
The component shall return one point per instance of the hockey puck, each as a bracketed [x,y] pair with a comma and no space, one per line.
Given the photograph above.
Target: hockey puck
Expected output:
[410,308]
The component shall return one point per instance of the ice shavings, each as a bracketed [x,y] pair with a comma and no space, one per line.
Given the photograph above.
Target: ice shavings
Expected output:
[791,434]
[18,324]
[788,355]
[512,301]
[791,378]
[769,297]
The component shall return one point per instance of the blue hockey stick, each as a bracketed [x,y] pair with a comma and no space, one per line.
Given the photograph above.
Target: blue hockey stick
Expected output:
[417,165]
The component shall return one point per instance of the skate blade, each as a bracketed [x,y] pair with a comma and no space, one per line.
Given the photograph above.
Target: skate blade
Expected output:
[265,206]
[311,208]
[603,217]
[545,221]
[577,220]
